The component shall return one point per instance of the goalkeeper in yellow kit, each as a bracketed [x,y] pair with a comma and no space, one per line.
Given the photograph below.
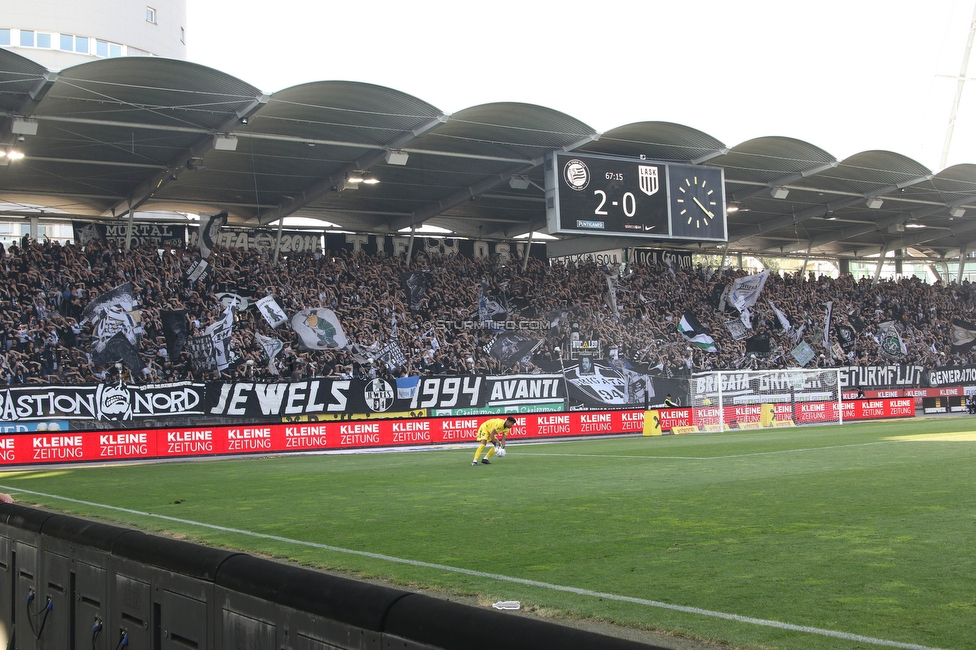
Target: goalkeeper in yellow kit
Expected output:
[492,431]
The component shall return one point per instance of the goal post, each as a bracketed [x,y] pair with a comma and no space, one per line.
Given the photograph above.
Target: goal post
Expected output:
[753,399]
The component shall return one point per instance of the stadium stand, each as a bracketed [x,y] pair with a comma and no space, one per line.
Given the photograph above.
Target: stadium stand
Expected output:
[46,287]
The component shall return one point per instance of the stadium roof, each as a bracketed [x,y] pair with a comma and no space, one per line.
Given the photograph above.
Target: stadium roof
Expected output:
[154,134]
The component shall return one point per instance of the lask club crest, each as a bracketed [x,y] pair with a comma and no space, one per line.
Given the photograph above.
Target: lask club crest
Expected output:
[649,179]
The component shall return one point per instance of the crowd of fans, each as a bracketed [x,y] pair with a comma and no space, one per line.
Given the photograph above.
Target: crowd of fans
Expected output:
[46,285]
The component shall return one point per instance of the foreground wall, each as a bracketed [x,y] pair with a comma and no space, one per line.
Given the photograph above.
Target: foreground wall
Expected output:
[70,583]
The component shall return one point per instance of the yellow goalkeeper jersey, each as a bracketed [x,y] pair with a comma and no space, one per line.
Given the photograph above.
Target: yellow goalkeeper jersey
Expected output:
[493,426]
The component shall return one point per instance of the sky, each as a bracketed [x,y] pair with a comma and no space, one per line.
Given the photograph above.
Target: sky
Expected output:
[846,76]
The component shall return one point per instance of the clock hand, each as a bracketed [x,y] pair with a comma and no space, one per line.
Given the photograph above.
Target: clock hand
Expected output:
[704,209]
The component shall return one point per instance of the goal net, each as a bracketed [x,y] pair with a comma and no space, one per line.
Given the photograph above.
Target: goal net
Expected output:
[765,398]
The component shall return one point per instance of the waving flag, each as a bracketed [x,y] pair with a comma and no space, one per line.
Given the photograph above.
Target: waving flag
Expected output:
[209,231]
[695,332]
[744,292]
[319,329]
[963,335]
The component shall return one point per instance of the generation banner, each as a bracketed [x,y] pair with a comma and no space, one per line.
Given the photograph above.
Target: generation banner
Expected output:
[953,376]
[115,235]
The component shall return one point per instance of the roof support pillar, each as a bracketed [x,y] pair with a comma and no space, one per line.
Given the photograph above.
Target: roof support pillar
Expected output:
[725,254]
[962,263]
[881,259]
[281,224]
[528,248]
[806,260]
[128,230]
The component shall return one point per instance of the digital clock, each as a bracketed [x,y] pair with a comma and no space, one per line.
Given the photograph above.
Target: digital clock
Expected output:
[589,194]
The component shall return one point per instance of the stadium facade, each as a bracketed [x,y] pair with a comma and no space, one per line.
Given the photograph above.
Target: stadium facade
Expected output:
[60,34]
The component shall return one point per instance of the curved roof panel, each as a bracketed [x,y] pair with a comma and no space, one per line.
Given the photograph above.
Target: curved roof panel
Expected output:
[664,141]
[151,133]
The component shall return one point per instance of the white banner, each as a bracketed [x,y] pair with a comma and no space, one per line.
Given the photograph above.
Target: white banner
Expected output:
[271,311]
[319,329]
[745,291]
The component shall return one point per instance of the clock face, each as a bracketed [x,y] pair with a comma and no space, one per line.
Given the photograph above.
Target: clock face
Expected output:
[697,202]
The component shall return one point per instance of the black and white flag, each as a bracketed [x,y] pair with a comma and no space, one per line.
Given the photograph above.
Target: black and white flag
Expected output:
[846,336]
[118,348]
[511,348]
[892,347]
[271,347]
[202,355]
[784,322]
[197,270]
[175,331]
[114,312]
[415,283]
[758,346]
[209,231]
[736,328]
[829,311]
[392,355]
[963,335]
[271,311]
[220,332]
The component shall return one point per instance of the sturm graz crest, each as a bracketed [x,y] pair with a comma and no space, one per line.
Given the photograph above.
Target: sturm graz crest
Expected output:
[379,395]
[576,174]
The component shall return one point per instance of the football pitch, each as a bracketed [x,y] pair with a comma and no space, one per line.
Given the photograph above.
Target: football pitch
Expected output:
[854,536]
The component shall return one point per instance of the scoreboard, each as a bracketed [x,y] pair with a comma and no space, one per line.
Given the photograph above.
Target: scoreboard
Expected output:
[594,195]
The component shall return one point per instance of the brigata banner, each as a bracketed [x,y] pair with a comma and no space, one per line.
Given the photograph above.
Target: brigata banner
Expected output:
[105,402]
[177,442]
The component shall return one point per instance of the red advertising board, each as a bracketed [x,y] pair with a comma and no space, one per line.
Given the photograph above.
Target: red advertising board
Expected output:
[916,393]
[95,446]
[801,412]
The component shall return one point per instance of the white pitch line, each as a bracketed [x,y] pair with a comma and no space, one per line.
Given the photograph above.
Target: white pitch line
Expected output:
[758,453]
[503,578]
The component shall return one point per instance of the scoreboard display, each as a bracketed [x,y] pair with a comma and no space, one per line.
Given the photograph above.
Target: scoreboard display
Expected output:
[595,195]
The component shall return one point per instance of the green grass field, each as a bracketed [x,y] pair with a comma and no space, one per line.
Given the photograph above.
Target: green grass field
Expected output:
[864,533]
